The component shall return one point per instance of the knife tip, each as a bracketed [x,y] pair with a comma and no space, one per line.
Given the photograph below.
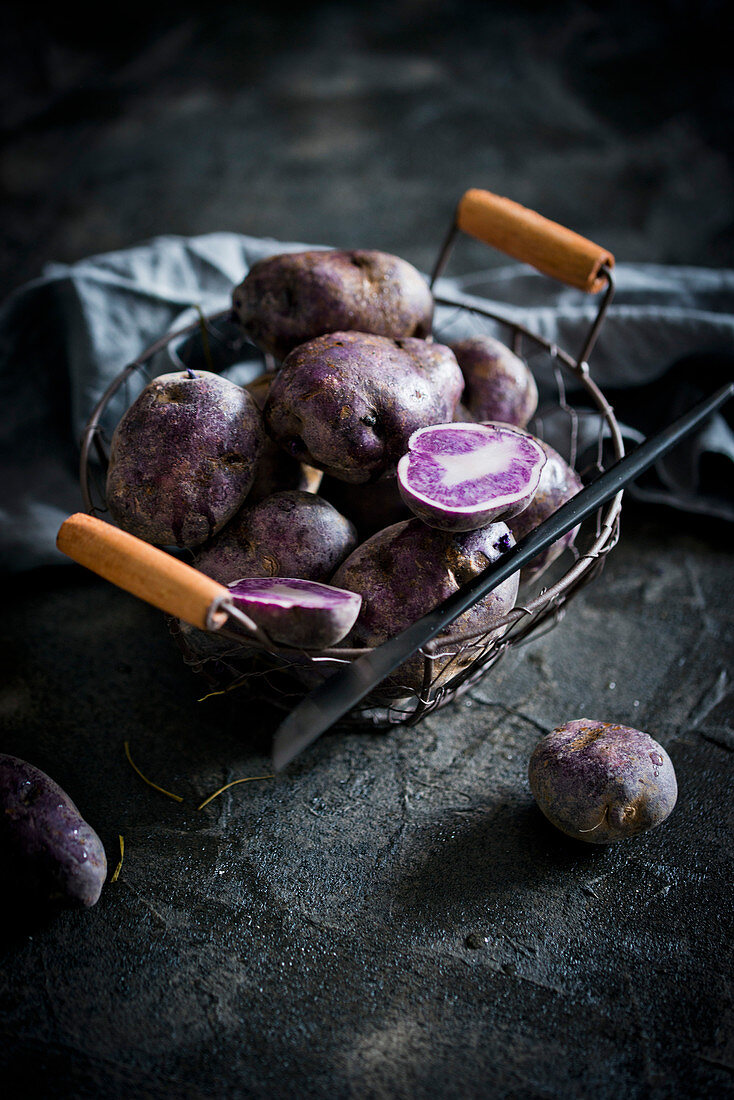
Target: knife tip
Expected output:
[280,757]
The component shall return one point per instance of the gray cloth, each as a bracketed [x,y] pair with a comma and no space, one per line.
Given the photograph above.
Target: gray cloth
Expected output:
[65,336]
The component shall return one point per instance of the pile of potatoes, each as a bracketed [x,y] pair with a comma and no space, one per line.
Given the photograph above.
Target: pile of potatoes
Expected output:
[294,476]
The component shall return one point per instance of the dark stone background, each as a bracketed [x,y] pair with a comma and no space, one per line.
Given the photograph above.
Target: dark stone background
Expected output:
[307,936]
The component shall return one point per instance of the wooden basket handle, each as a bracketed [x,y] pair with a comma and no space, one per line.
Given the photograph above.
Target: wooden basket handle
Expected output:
[142,569]
[527,236]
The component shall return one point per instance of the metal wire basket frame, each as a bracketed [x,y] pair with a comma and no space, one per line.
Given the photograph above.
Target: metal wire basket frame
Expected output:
[242,655]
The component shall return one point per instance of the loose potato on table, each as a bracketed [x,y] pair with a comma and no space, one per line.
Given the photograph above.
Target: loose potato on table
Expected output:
[49,855]
[600,782]
[348,402]
[291,298]
[183,458]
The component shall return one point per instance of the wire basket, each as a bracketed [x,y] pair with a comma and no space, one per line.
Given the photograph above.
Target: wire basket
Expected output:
[231,651]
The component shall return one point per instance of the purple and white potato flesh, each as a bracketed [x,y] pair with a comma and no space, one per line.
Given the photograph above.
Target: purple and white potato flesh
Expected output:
[183,458]
[558,483]
[499,386]
[288,299]
[349,402]
[49,855]
[600,782]
[295,612]
[460,477]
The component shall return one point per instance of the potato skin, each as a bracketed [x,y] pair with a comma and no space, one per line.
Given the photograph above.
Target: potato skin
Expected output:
[599,782]
[289,299]
[498,384]
[49,855]
[406,570]
[348,402]
[558,483]
[289,534]
[183,458]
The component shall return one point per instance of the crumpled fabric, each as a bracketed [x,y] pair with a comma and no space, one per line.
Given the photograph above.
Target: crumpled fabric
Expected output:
[65,336]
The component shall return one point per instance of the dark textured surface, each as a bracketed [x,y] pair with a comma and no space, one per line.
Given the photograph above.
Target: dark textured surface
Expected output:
[393,917]
[311,934]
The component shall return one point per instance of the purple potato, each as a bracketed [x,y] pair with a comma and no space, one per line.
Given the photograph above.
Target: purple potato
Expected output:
[463,476]
[369,507]
[600,782]
[558,483]
[498,384]
[290,534]
[277,471]
[291,298]
[183,458]
[349,402]
[405,571]
[49,855]
[295,612]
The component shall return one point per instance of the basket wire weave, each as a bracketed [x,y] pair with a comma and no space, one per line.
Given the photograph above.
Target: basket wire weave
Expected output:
[238,656]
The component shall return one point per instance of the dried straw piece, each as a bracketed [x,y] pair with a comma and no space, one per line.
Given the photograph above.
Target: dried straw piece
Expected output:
[247,779]
[169,794]
[122,856]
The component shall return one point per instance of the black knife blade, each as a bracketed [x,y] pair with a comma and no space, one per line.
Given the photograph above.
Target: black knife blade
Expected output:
[347,687]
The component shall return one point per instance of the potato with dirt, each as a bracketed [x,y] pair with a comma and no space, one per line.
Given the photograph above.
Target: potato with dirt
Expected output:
[349,402]
[289,534]
[404,571]
[600,782]
[183,458]
[49,855]
[499,386]
[288,299]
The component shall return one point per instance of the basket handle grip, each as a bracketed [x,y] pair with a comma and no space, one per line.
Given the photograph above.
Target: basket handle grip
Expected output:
[154,576]
[533,239]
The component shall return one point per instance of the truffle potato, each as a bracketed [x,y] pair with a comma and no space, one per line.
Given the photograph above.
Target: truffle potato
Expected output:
[183,458]
[499,386]
[296,612]
[600,782]
[348,402]
[289,299]
[406,570]
[558,483]
[289,534]
[49,855]
[463,476]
